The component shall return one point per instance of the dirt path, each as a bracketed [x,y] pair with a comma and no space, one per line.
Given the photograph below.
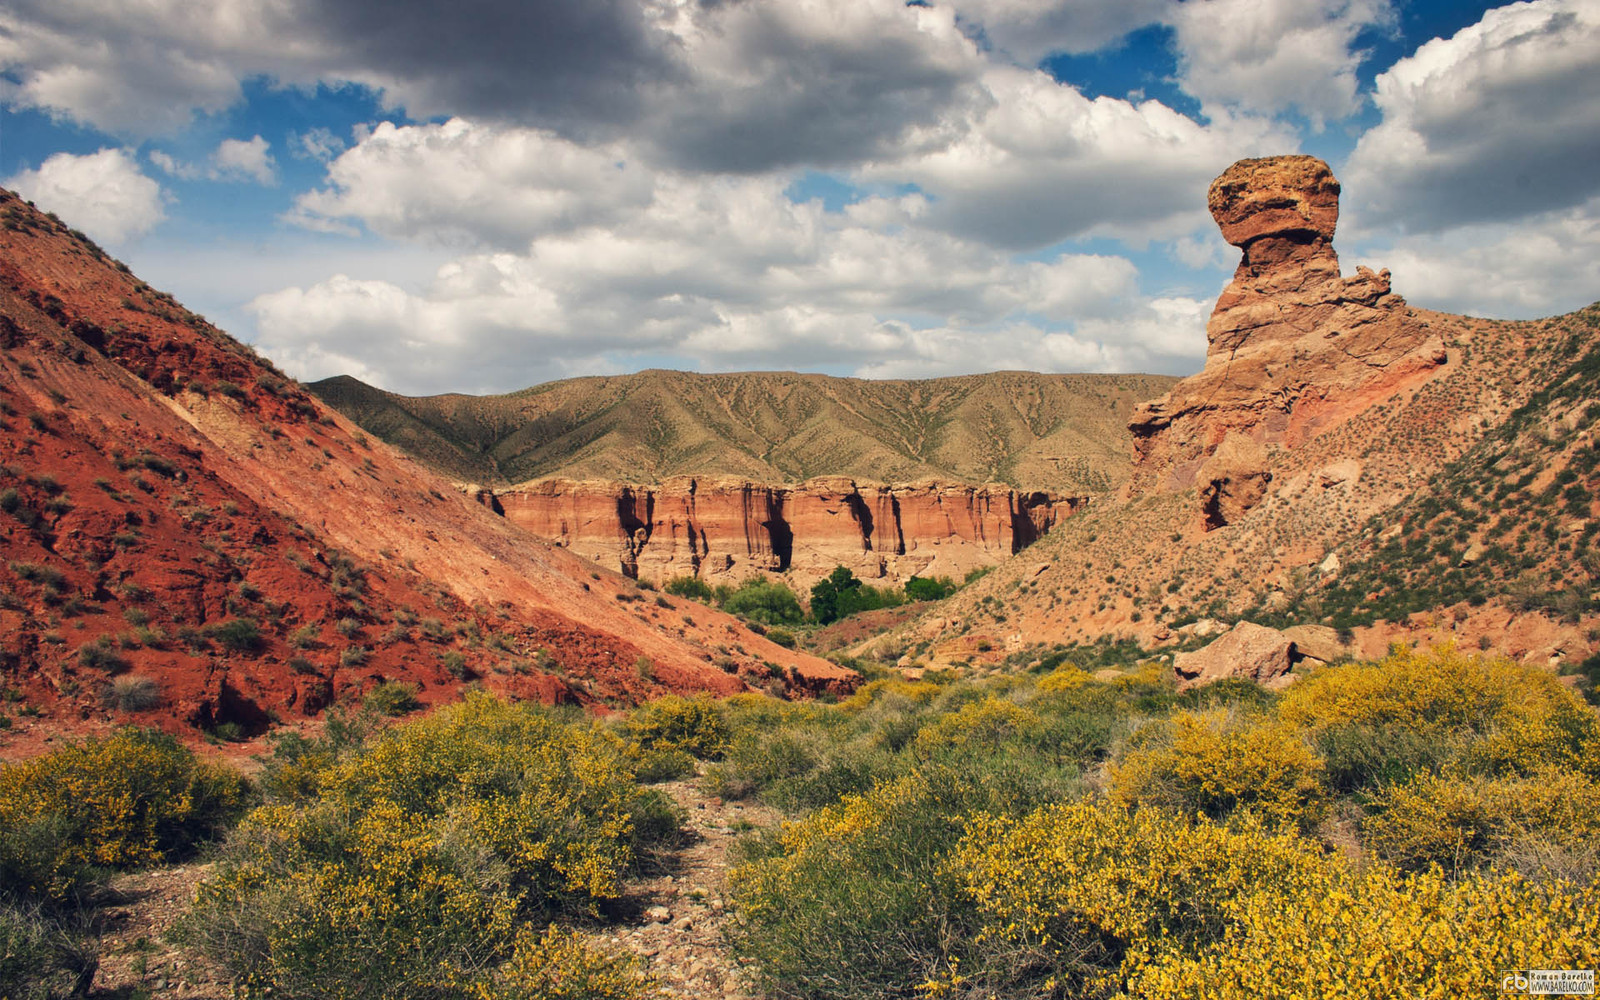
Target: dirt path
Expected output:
[136,960]
[680,913]
[672,918]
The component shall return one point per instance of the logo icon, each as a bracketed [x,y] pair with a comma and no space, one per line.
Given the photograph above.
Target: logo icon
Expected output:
[1548,982]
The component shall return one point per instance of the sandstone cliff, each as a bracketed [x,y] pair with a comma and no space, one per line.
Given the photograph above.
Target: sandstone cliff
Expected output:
[723,530]
[1294,348]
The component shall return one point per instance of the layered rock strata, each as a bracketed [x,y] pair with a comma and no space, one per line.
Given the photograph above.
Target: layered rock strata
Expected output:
[1294,347]
[723,530]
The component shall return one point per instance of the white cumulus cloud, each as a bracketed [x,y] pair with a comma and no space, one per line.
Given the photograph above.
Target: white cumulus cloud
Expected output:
[103,193]
[1500,121]
[1040,163]
[1270,56]
[709,272]
[245,159]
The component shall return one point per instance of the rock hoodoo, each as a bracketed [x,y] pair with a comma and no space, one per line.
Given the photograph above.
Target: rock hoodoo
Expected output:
[1294,347]
[727,529]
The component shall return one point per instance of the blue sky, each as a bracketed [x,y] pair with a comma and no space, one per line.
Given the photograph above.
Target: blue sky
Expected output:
[480,196]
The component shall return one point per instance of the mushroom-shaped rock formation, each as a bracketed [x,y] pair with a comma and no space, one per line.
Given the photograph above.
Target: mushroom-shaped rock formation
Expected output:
[1294,347]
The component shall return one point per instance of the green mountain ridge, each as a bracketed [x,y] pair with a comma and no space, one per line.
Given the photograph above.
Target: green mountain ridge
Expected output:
[1028,429]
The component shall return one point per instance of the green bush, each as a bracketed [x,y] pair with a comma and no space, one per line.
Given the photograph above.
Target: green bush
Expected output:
[858,900]
[782,637]
[765,601]
[99,655]
[935,588]
[392,698]
[39,958]
[238,635]
[691,587]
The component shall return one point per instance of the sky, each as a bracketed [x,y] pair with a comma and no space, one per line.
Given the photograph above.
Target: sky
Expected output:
[482,195]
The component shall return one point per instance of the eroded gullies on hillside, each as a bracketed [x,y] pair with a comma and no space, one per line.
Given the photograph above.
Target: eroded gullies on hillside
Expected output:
[189,539]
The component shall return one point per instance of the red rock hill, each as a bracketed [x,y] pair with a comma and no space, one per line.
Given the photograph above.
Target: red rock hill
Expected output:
[179,519]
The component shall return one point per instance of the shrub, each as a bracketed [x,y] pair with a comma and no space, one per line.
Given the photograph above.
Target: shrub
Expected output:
[1464,822]
[1215,764]
[853,902]
[455,664]
[1079,892]
[238,635]
[557,965]
[765,601]
[1095,899]
[135,798]
[1383,935]
[935,588]
[782,637]
[691,587]
[39,959]
[1361,756]
[391,697]
[695,726]
[410,868]
[99,655]
[131,694]
[859,900]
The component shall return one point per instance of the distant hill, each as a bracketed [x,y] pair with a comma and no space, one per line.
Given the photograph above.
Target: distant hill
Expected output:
[1063,432]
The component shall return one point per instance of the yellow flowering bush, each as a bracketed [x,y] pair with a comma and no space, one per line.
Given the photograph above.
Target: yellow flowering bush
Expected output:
[1463,822]
[1091,890]
[1380,935]
[1519,717]
[1146,904]
[409,871]
[921,693]
[693,725]
[1215,763]
[135,798]
[974,728]
[558,965]
[1066,678]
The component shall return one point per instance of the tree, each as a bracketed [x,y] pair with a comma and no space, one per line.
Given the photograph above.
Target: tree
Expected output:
[831,597]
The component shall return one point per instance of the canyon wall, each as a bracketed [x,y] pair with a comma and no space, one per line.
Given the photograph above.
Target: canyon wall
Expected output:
[724,530]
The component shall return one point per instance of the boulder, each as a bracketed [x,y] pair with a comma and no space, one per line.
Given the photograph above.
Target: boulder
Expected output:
[1253,652]
[1315,642]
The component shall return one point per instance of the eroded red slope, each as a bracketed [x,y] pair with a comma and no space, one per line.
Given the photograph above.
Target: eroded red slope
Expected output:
[160,483]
